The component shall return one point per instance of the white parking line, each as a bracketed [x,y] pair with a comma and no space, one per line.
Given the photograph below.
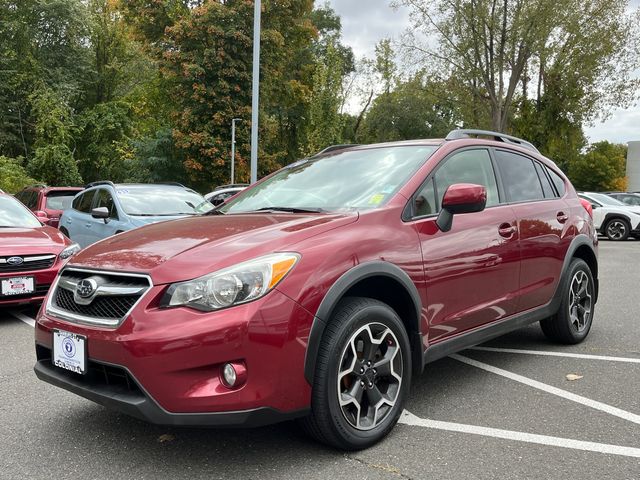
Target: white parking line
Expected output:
[21,316]
[603,407]
[408,418]
[558,354]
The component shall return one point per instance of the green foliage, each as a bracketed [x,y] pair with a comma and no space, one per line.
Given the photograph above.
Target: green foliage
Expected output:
[54,165]
[13,176]
[414,109]
[325,122]
[601,168]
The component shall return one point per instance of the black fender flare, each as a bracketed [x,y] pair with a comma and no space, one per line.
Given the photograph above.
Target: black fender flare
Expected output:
[337,291]
[579,241]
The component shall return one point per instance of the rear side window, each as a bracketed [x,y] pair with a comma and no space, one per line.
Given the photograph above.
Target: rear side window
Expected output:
[519,176]
[31,199]
[548,190]
[59,200]
[558,182]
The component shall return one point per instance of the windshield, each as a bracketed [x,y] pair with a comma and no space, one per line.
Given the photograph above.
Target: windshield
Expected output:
[14,214]
[156,200]
[358,179]
[59,200]
[606,200]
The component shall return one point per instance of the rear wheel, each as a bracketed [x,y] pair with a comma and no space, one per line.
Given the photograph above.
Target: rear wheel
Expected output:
[572,322]
[362,376]
[617,229]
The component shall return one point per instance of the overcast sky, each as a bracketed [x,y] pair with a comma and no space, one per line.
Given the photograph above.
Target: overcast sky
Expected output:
[365,22]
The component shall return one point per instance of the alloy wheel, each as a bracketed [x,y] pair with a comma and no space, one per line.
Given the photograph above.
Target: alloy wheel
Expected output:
[369,376]
[580,301]
[616,230]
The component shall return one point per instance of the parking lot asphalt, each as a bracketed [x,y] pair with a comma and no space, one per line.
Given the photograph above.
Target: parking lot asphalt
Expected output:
[505,410]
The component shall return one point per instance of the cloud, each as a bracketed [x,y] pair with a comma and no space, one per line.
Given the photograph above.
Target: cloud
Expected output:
[622,127]
[365,23]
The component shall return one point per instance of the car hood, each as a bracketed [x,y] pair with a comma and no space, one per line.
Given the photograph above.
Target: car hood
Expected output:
[25,241]
[191,247]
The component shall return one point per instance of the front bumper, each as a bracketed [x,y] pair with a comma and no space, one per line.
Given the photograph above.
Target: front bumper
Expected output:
[174,356]
[134,401]
[43,280]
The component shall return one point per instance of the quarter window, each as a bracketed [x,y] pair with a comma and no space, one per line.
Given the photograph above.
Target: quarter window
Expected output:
[425,202]
[521,182]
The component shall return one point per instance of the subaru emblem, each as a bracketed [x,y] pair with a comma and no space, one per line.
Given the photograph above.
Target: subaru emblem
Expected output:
[87,287]
[15,261]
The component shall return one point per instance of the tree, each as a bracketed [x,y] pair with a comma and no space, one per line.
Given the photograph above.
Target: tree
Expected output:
[587,49]
[53,162]
[414,109]
[325,123]
[385,63]
[601,168]
[13,176]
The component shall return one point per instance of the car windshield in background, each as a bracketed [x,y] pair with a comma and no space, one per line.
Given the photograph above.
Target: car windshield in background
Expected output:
[358,179]
[161,201]
[606,200]
[59,200]
[13,214]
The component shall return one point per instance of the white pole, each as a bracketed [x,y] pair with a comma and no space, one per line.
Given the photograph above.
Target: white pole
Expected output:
[255,97]
[233,150]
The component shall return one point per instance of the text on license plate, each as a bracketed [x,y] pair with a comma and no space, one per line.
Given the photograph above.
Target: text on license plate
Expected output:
[69,351]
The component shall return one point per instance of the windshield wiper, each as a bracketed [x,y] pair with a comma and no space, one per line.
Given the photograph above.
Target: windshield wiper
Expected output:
[289,210]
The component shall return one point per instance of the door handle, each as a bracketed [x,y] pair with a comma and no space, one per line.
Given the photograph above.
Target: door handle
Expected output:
[88,225]
[562,217]
[506,230]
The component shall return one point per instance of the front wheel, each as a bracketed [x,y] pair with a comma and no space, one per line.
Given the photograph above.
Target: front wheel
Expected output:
[572,322]
[617,229]
[362,376]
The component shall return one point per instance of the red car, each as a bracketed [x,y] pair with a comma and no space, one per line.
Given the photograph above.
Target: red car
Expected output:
[30,254]
[48,203]
[320,291]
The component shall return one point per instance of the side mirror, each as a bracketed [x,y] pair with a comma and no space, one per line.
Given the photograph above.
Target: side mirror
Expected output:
[100,212]
[42,216]
[460,198]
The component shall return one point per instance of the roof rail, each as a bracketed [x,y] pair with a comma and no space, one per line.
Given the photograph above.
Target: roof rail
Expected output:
[175,184]
[497,136]
[333,148]
[100,182]
[41,185]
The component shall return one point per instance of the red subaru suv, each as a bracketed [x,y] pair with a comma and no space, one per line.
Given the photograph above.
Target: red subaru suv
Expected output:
[318,292]
[30,254]
[48,203]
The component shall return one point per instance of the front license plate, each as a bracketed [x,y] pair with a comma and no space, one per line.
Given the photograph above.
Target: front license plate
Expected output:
[17,286]
[70,351]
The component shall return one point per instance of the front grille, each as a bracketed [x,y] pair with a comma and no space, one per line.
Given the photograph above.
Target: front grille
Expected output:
[109,303]
[101,307]
[29,263]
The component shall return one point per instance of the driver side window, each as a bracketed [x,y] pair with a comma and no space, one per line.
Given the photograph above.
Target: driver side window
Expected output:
[469,166]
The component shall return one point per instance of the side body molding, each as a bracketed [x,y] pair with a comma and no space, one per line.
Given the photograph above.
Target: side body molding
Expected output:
[337,291]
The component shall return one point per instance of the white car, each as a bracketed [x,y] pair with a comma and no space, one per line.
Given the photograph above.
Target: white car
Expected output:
[613,218]
[221,194]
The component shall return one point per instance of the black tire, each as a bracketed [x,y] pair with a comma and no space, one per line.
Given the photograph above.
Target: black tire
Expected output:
[563,326]
[65,232]
[617,229]
[328,422]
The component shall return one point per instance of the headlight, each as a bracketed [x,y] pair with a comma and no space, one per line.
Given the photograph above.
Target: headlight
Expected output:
[69,251]
[241,283]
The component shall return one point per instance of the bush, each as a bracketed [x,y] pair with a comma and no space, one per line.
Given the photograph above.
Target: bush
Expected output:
[13,176]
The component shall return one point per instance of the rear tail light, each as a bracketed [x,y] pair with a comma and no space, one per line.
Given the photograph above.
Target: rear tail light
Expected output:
[587,206]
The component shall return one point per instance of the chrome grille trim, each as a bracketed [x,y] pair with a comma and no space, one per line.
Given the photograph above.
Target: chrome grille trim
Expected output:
[105,292]
[29,263]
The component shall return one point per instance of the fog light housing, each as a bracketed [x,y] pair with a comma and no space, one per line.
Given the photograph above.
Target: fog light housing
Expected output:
[233,374]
